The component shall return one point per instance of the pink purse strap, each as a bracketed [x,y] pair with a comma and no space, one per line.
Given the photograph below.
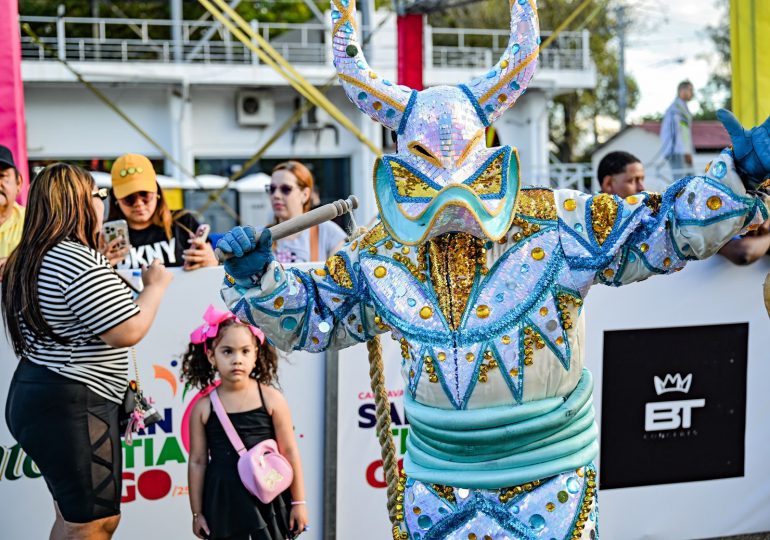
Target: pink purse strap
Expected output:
[219,409]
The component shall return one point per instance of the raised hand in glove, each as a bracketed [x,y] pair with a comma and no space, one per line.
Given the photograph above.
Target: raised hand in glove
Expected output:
[751,148]
[251,251]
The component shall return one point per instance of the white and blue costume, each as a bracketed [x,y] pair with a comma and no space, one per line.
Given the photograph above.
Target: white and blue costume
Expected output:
[483,283]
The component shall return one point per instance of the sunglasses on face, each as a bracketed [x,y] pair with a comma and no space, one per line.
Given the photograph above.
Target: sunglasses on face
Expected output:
[145,196]
[102,193]
[285,189]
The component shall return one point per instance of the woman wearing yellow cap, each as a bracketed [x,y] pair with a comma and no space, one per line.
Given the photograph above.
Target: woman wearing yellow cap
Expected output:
[154,232]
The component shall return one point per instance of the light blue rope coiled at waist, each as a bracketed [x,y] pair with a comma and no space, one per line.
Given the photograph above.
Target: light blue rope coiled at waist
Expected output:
[502,446]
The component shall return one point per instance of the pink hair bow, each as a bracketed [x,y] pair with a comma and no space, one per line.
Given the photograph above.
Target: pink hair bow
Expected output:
[210,328]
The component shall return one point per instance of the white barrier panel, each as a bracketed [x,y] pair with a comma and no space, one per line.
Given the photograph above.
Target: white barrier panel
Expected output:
[155,467]
[706,293]
[361,497]
[712,292]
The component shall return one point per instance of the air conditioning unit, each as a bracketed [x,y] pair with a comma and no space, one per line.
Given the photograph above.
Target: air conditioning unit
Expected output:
[255,108]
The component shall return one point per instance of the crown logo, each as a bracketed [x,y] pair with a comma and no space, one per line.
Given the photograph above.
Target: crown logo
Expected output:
[672,383]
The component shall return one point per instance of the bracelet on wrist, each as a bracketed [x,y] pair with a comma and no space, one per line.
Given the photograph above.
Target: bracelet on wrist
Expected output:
[195,515]
[295,503]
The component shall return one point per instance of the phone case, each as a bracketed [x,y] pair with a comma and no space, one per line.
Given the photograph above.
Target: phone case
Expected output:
[202,233]
[115,229]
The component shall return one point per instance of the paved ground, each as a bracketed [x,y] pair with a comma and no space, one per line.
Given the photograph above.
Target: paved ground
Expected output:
[758,536]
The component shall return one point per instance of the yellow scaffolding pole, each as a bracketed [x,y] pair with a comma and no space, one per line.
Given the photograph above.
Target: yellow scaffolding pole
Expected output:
[117,110]
[283,68]
[571,17]
[749,31]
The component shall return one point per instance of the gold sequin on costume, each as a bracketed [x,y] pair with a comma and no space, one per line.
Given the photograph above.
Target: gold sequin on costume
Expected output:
[409,184]
[490,181]
[714,203]
[509,493]
[377,234]
[653,201]
[604,210]
[564,301]
[588,500]
[453,258]
[339,272]
[537,203]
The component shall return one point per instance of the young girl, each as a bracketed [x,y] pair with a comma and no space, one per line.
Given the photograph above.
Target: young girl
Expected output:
[221,506]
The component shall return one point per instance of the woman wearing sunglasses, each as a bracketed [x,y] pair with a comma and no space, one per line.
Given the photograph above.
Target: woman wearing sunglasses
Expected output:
[154,232]
[290,190]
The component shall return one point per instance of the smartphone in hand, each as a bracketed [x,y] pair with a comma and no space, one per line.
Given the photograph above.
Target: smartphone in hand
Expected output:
[116,229]
[201,233]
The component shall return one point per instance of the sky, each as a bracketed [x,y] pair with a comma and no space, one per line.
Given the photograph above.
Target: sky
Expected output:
[667,47]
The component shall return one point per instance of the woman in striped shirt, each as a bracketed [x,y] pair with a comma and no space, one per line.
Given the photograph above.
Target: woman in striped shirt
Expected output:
[71,320]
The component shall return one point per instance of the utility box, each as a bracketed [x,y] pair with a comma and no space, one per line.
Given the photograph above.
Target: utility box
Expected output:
[254,200]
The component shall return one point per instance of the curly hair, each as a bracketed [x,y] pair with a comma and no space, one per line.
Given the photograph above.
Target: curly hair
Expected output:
[198,372]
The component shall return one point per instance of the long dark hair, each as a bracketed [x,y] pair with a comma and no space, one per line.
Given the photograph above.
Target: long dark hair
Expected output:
[59,208]
[198,372]
[162,216]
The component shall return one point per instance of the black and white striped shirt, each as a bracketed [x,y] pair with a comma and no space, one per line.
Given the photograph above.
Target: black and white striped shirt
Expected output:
[80,298]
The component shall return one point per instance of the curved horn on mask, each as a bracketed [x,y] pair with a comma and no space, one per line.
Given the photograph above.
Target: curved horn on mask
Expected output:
[381,99]
[494,92]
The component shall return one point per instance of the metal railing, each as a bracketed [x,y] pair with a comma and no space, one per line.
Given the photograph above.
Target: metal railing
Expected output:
[88,39]
[477,48]
[579,176]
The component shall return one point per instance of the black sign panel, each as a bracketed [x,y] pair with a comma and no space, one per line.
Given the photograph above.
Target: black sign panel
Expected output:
[673,405]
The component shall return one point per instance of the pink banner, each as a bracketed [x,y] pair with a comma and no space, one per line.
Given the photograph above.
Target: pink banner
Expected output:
[12,129]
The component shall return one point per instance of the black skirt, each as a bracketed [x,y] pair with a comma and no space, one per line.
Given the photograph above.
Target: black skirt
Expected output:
[72,435]
[229,508]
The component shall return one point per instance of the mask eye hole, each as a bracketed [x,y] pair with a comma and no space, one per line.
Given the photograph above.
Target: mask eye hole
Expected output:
[420,151]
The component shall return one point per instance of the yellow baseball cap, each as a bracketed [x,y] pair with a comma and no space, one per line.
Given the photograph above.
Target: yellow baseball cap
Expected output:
[131,173]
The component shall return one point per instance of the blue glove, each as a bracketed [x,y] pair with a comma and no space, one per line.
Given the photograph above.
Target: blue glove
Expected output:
[750,147]
[252,253]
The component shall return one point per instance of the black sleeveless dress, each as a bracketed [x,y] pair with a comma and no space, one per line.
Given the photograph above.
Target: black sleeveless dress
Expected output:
[230,510]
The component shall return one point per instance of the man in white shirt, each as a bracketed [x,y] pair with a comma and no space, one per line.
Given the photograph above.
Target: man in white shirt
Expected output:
[676,133]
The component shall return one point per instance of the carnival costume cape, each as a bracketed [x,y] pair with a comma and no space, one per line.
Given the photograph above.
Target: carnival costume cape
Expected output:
[483,283]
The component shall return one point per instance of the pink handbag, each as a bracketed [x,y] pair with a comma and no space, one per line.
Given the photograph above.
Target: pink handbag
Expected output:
[265,473]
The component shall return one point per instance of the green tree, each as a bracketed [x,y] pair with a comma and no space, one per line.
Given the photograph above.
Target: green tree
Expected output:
[718,90]
[573,114]
[289,11]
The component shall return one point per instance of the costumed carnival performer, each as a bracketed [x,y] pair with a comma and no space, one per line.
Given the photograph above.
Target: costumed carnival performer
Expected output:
[483,283]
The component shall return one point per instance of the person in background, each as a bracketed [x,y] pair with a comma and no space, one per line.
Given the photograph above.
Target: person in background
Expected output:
[290,189]
[621,174]
[744,250]
[247,367]
[676,133]
[315,197]
[11,212]
[154,231]
[71,320]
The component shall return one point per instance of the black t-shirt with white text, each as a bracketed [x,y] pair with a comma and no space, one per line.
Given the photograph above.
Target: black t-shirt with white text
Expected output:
[151,243]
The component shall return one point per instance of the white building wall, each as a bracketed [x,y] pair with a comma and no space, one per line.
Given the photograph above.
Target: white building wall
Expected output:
[646,147]
[525,127]
[68,121]
[216,133]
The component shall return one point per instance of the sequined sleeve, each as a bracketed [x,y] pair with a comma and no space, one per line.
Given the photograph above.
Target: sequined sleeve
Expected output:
[613,241]
[326,307]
